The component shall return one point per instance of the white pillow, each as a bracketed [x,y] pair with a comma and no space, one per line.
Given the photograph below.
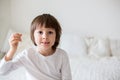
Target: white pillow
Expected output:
[5,47]
[99,47]
[115,47]
[73,44]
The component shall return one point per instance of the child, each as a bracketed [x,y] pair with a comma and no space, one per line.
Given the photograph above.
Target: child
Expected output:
[44,61]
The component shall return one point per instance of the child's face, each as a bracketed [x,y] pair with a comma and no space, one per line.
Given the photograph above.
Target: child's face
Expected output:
[44,37]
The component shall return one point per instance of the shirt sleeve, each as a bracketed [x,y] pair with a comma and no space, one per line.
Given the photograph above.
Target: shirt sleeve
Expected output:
[8,66]
[66,71]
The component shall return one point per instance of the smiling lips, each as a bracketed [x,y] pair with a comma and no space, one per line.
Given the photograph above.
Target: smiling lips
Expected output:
[45,43]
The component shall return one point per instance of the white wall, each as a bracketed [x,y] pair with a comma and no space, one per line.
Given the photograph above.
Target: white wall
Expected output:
[4,19]
[85,17]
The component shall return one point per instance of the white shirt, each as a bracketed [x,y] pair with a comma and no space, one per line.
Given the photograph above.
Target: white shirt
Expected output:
[39,67]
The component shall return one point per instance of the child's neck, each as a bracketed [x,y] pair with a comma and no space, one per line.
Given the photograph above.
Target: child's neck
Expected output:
[46,52]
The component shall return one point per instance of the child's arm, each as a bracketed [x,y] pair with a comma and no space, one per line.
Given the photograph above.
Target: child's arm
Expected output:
[13,42]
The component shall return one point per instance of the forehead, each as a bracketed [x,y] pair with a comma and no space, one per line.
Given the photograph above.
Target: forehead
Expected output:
[44,28]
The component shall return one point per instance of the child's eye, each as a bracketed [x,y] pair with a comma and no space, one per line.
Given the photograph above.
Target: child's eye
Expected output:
[50,32]
[40,32]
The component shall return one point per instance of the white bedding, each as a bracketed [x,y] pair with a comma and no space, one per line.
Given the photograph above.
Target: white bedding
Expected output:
[107,68]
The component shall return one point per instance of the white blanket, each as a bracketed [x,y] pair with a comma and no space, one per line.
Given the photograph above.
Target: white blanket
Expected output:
[107,68]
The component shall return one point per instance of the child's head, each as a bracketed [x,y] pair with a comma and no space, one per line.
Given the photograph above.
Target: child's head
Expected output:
[48,21]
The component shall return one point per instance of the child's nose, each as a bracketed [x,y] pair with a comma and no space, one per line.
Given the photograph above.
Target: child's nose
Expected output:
[45,36]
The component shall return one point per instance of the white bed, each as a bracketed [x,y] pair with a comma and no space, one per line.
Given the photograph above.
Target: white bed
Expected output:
[91,58]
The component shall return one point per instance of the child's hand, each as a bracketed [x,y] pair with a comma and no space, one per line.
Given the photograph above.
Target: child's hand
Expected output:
[14,40]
